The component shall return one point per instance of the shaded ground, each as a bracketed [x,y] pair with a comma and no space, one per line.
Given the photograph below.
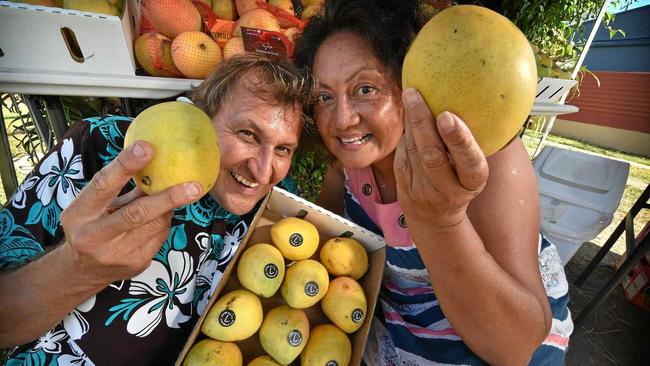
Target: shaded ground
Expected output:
[618,333]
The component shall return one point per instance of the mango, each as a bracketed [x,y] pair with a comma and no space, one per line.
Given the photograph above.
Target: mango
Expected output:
[153,51]
[265,360]
[284,333]
[234,317]
[261,269]
[477,64]
[296,238]
[344,257]
[195,54]
[234,46]
[185,146]
[225,9]
[345,304]
[243,6]
[286,5]
[305,283]
[211,352]
[93,6]
[327,346]
[310,11]
[172,17]
[256,18]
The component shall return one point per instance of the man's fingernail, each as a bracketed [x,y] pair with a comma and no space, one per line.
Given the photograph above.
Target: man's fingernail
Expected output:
[192,190]
[410,97]
[139,151]
[446,122]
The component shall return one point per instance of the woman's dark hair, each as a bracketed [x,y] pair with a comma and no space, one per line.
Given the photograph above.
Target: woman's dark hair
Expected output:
[389,26]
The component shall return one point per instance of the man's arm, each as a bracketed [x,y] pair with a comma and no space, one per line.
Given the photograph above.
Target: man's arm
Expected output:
[106,239]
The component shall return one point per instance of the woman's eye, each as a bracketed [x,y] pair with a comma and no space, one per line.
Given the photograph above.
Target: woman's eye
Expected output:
[366,90]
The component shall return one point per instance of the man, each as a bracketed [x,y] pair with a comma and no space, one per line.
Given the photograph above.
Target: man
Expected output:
[105,275]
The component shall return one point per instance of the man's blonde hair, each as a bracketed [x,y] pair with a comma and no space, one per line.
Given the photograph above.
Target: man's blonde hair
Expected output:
[277,82]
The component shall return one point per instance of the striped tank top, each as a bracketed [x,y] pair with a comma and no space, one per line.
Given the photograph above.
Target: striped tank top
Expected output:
[409,327]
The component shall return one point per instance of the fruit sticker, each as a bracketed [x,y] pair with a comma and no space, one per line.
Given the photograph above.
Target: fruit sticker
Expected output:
[294,338]
[357,315]
[227,318]
[295,240]
[311,288]
[271,270]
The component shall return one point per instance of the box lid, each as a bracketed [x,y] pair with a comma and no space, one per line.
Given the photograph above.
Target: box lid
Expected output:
[39,38]
[582,171]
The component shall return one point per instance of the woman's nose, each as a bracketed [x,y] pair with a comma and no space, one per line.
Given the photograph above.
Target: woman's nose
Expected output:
[346,115]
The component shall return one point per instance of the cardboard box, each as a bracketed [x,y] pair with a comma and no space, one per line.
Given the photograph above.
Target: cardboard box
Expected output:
[281,204]
[54,40]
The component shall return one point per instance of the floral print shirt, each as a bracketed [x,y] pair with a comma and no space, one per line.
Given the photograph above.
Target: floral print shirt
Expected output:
[141,321]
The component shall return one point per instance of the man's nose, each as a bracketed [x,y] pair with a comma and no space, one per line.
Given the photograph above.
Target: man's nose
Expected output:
[261,166]
[346,114]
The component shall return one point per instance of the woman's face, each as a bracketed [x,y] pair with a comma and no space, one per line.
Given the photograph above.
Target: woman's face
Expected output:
[359,110]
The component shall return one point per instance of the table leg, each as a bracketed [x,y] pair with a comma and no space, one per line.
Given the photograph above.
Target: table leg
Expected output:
[638,205]
[632,260]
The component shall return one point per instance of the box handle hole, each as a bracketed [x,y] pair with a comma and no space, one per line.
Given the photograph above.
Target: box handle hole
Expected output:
[2,53]
[72,44]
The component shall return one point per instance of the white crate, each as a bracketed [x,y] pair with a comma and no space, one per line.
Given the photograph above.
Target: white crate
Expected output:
[39,39]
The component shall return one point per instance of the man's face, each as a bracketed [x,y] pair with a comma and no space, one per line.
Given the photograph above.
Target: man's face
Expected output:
[257,141]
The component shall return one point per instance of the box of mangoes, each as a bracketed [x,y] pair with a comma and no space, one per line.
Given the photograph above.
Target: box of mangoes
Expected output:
[300,290]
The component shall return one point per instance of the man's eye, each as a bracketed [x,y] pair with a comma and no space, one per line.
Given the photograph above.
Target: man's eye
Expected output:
[283,150]
[323,98]
[246,133]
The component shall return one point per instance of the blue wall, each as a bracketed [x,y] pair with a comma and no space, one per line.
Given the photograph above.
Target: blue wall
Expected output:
[629,53]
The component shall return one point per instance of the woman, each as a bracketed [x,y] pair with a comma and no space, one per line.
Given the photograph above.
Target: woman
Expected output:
[462,281]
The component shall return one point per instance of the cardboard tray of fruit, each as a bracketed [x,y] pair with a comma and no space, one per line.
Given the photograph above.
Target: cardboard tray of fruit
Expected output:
[234,316]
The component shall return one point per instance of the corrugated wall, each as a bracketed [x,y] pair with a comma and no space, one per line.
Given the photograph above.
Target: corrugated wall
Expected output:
[621,101]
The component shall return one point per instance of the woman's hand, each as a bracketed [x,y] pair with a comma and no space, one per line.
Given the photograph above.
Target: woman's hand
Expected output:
[439,166]
[111,238]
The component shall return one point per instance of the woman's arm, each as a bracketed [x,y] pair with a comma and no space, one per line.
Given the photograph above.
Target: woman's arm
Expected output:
[331,195]
[482,260]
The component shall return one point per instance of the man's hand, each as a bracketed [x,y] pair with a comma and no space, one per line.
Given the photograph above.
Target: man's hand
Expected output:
[439,166]
[113,238]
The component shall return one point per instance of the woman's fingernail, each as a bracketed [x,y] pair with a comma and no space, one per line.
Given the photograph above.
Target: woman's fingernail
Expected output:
[192,190]
[446,122]
[410,97]
[139,151]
